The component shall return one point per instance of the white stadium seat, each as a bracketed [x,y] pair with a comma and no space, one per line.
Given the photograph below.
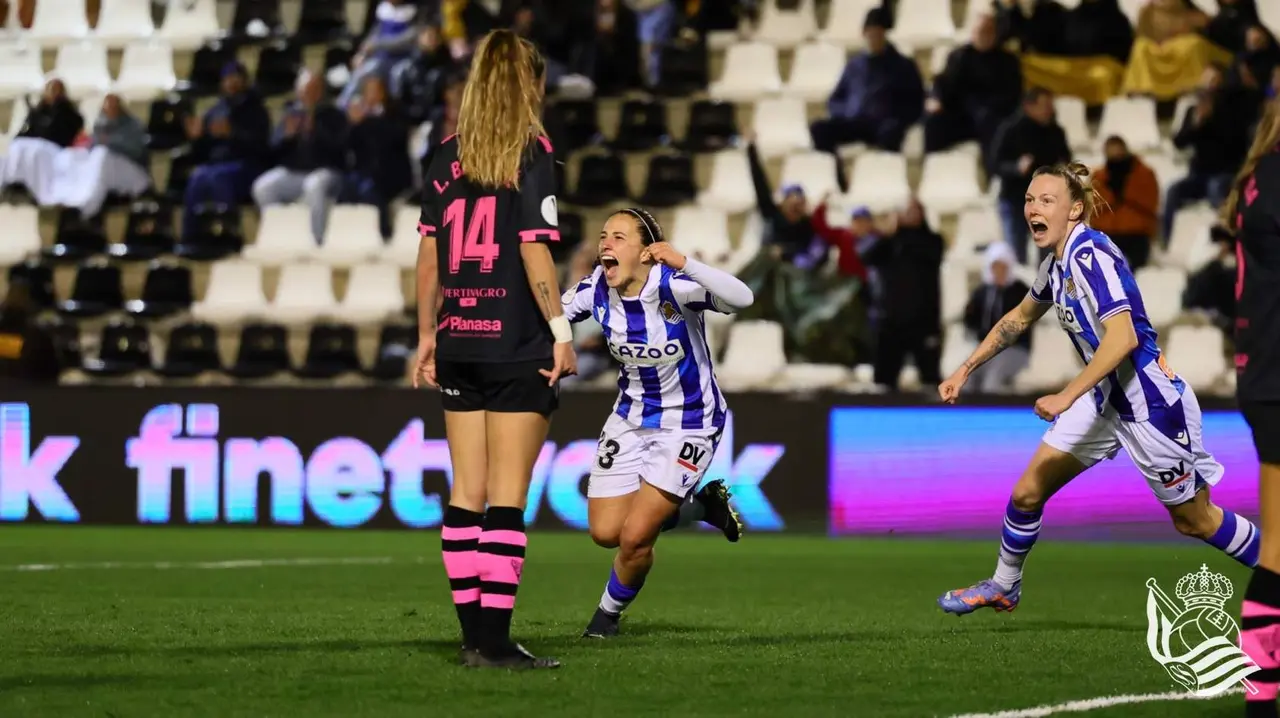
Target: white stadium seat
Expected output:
[284,236]
[146,70]
[1070,112]
[786,28]
[954,281]
[304,294]
[879,181]
[82,67]
[21,71]
[949,182]
[123,21]
[975,229]
[844,22]
[17,118]
[1134,119]
[403,250]
[1269,14]
[938,59]
[234,293]
[373,294]
[813,377]
[1054,360]
[815,71]
[729,189]
[815,172]
[188,23]
[59,21]
[750,72]
[1198,355]
[1168,169]
[754,355]
[90,107]
[1161,289]
[1191,227]
[351,236]
[781,126]
[1132,9]
[702,233]
[21,233]
[922,24]
[957,345]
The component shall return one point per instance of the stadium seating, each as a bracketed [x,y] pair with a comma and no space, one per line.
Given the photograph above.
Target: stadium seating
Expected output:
[1053,360]
[879,181]
[304,294]
[188,24]
[373,294]
[602,179]
[781,126]
[58,21]
[331,352]
[1070,113]
[263,352]
[351,236]
[815,70]
[750,72]
[38,277]
[124,349]
[1134,119]
[955,291]
[1190,231]
[20,72]
[284,236]
[77,238]
[754,356]
[22,233]
[950,181]
[1198,355]
[403,249]
[397,345]
[82,67]
[815,172]
[713,126]
[149,232]
[257,21]
[669,181]
[97,291]
[216,234]
[278,66]
[957,345]
[844,22]
[146,70]
[729,189]
[975,229]
[191,350]
[121,22]
[922,24]
[166,292]
[1166,283]
[235,292]
[643,126]
[786,28]
[702,233]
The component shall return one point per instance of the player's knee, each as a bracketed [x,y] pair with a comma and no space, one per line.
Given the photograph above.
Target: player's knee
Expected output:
[1027,496]
[605,536]
[470,495]
[634,547]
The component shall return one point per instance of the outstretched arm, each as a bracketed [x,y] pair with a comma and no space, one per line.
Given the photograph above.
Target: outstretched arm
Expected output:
[541,270]
[1006,332]
[720,290]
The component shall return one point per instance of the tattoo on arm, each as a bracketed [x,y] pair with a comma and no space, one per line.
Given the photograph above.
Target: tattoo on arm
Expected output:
[1002,336]
[546,299]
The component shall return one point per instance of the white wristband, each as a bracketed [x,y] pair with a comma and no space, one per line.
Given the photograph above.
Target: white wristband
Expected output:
[561,329]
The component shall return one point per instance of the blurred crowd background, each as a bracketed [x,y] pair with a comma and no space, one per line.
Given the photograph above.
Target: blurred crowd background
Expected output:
[228,191]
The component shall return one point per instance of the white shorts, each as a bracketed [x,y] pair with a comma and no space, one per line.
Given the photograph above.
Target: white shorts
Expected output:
[672,460]
[1168,450]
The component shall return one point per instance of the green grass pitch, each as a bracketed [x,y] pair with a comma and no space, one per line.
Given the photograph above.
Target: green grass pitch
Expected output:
[773,626]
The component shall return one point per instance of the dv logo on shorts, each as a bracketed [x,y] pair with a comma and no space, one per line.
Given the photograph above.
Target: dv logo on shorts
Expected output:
[691,457]
[1174,476]
[1197,642]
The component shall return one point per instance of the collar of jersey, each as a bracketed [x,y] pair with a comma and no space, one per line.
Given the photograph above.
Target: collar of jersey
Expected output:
[650,280]
[1072,240]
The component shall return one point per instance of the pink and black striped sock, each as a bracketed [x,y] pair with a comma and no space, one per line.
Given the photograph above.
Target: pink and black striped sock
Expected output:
[501,562]
[1260,639]
[459,541]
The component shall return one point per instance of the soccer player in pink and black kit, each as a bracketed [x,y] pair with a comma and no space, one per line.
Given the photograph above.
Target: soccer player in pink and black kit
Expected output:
[493,337]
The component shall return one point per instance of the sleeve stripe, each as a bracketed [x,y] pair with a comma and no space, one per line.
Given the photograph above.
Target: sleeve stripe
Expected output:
[575,318]
[546,143]
[1038,300]
[426,230]
[535,235]
[1120,308]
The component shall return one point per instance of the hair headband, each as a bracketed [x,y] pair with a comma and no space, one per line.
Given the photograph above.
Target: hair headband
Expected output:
[645,221]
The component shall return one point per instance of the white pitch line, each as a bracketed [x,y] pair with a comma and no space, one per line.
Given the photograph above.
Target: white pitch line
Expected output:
[1092,704]
[210,565]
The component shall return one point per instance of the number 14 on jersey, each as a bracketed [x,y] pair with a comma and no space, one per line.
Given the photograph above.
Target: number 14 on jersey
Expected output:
[471,237]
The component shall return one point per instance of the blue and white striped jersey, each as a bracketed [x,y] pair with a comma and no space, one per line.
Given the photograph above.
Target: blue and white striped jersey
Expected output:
[1093,284]
[666,380]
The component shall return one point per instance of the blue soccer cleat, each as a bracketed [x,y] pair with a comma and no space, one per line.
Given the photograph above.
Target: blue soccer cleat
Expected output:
[984,594]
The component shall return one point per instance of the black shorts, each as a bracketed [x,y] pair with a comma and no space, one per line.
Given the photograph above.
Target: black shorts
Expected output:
[514,387]
[1264,420]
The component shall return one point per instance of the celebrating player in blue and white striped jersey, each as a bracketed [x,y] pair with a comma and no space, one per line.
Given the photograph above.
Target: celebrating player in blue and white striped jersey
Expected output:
[1125,397]
[666,424]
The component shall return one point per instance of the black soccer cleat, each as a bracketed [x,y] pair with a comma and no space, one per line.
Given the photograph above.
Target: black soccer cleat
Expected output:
[714,497]
[603,625]
[515,658]
[467,656]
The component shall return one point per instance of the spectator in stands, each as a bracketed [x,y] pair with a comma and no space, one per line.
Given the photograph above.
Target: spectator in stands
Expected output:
[1169,55]
[310,145]
[115,162]
[1252,70]
[418,83]
[609,58]
[1029,139]
[392,41]
[379,141]
[1130,196]
[1216,132]
[463,21]
[52,124]
[788,233]
[444,117]
[979,88]
[528,24]
[998,294]
[1228,27]
[27,352]
[1212,288]
[879,96]
[230,142]
[847,241]
[656,22]
[909,260]
[1081,51]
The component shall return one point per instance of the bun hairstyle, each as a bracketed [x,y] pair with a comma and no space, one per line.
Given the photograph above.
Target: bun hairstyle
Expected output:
[650,230]
[1079,186]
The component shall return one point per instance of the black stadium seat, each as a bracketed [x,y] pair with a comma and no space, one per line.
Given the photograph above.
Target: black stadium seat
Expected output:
[570,236]
[684,68]
[149,233]
[322,21]
[78,238]
[397,345]
[192,350]
[166,291]
[643,126]
[125,349]
[601,180]
[66,343]
[265,11]
[572,125]
[278,68]
[206,69]
[670,181]
[263,352]
[96,291]
[181,165]
[39,280]
[713,126]
[217,234]
[338,55]
[331,352]
[166,125]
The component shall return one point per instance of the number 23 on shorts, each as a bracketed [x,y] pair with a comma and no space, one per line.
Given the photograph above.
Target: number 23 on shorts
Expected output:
[605,451]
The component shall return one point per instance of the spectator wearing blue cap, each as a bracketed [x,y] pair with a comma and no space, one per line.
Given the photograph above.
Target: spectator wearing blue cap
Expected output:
[788,233]
[230,143]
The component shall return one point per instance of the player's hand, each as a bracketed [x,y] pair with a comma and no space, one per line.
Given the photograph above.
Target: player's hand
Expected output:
[424,370]
[565,363]
[949,390]
[664,253]
[1051,407]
